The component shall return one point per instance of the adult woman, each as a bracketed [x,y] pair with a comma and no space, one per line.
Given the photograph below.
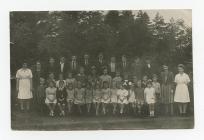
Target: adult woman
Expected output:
[167,95]
[182,94]
[24,87]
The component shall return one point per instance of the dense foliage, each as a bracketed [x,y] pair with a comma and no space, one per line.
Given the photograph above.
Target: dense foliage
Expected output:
[38,35]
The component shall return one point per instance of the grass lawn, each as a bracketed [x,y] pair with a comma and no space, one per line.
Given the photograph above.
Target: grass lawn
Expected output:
[32,121]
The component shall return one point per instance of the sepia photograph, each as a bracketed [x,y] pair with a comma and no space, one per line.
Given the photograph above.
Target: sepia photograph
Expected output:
[101,70]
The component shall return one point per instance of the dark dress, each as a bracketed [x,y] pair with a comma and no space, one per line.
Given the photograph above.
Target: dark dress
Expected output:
[61,96]
[167,80]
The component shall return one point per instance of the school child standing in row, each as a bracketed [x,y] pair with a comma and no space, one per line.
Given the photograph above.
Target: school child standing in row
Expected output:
[140,100]
[105,96]
[61,79]
[122,98]
[144,81]
[97,95]
[114,97]
[51,99]
[132,99]
[40,95]
[70,96]
[79,96]
[70,79]
[156,86]
[51,78]
[150,98]
[61,97]
[88,97]
[117,79]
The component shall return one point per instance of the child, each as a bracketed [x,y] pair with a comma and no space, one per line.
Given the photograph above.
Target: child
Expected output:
[114,97]
[139,93]
[61,79]
[126,81]
[40,95]
[88,97]
[70,97]
[122,98]
[150,98]
[81,77]
[132,99]
[117,79]
[51,99]
[61,97]
[51,77]
[70,79]
[144,81]
[97,95]
[134,79]
[156,86]
[105,96]
[79,96]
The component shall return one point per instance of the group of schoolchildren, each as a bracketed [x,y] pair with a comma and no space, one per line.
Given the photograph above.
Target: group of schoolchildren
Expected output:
[104,95]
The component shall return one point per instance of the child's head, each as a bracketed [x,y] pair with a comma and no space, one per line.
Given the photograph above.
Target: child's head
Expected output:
[42,81]
[105,71]
[105,84]
[69,74]
[139,83]
[61,76]
[97,86]
[117,74]
[70,86]
[145,78]
[79,85]
[61,83]
[149,83]
[51,84]
[132,86]
[51,76]
[154,78]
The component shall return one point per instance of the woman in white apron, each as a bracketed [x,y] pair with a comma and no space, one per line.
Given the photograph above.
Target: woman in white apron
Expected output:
[24,87]
[181,93]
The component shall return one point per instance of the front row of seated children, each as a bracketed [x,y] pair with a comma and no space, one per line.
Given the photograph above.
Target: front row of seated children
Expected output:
[101,100]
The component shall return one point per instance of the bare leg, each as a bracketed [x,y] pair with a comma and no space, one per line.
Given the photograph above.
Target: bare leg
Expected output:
[171,109]
[184,108]
[180,108]
[21,105]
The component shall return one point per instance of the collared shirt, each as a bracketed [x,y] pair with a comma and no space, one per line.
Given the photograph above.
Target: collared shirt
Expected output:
[86,61]
[124,64]
[73,64]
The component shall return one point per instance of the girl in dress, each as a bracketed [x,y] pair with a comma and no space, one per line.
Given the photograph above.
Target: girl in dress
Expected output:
[132,99]
[182,94]
[82,77]
[122,94]
[139,92]
[70,79]
[51,99]
[79,96]
[97,95]
[88,97]
[70,97]
[114,100]
[24,87]
[150,97]
[61,97]
[105,96]
[40,95]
